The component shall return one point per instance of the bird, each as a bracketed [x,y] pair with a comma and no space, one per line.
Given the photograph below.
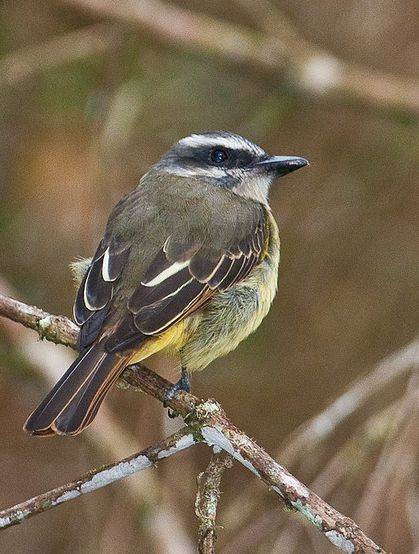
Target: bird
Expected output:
[188,264]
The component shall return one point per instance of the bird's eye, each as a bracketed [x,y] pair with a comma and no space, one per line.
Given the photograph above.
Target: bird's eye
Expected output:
[218,156]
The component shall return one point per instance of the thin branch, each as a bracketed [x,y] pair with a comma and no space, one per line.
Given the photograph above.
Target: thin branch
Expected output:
[54,328]
[310,434]
[208,423]
[61,50]
[97,478]
[340,530]
[396,458]
[279,52]
[316,430]
[207,497]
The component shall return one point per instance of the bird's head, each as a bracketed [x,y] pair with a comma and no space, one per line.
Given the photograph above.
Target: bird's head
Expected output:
[228,161]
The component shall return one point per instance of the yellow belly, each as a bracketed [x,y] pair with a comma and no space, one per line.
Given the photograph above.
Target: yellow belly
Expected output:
[172,339]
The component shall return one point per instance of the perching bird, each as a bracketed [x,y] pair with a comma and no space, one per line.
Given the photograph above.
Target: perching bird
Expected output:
[188,263]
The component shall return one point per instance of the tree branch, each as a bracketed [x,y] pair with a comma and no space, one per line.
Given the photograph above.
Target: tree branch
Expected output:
[110,436]
[64,49]
[208,423]
[54,328]
[97,478]
[272,52]
[207,497]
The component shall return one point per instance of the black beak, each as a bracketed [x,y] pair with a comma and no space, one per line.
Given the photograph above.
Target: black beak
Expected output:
[281,165]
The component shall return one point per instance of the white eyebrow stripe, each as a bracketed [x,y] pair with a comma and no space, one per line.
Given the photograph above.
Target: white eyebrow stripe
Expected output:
[171,270]
[210,171]
[228,142]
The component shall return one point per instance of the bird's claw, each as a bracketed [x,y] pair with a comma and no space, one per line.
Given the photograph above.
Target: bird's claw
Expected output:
[182,385]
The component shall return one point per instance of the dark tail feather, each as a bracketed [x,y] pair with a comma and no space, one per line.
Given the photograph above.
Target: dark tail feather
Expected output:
[74,401]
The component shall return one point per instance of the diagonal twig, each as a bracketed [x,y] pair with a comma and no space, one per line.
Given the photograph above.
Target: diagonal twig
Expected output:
[57,51]
[208,423]
[97,478]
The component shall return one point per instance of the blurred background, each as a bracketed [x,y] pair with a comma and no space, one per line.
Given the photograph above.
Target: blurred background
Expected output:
[92,92]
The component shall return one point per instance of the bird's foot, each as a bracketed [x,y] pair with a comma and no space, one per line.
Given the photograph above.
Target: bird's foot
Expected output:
[183,384]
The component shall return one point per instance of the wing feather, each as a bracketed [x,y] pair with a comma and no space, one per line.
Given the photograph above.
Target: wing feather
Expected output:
[204,264]
[154,319]
[145,295]
[231,276]
[96,290]
[114,260]
[222,271]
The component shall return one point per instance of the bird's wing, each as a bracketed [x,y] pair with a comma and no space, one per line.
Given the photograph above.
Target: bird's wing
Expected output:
[181,279]
[96,290]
